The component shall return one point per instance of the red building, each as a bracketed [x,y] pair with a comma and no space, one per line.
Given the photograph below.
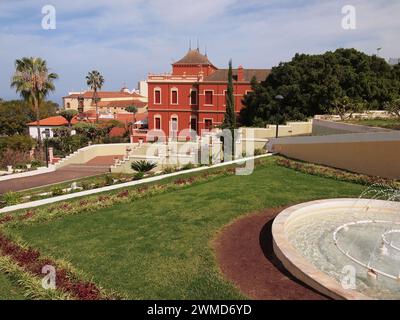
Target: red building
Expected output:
[193,95]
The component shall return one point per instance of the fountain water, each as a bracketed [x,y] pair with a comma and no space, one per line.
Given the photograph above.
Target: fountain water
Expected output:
[330,235]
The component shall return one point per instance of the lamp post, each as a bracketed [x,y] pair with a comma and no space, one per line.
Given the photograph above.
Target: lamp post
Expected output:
[46,135]
[279,98]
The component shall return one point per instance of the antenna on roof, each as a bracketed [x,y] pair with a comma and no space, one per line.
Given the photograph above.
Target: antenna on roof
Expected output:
[190,44]
[205,52]
[198,45]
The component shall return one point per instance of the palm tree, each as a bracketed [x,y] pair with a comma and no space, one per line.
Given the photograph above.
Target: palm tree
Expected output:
[69,115]
[132,109]
[33,82]
[95,81]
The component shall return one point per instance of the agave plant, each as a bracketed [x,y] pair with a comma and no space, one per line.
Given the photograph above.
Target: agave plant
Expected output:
[143,166]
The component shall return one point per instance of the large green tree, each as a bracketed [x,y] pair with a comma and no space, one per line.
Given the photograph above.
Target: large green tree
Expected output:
[95,81]
[312,84]
[33,81]
[15,114]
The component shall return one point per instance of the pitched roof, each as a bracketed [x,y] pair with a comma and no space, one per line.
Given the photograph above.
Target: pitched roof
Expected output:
[117,132]
[122,103]
[221,75]
[194,57]
[105,94]
[55,121]
[128,117]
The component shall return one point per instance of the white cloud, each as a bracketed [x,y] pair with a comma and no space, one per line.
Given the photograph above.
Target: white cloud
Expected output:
[125,39]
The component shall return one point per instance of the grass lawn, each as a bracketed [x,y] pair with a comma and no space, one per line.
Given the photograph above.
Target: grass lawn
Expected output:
[382,123]
[161,247]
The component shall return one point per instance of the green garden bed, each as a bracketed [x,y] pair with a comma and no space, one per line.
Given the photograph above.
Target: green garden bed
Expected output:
[159,245]
[392,123]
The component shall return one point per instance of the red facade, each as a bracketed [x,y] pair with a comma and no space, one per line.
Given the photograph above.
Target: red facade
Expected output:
[193,95]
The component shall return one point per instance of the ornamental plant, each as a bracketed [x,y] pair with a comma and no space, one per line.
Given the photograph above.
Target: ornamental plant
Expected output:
[143,166]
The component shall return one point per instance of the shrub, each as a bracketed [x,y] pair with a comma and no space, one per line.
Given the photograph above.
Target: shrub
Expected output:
[86,185]
[11,198]
[169,169]
[188,166]
[108,179]
[13,157]
[17,143]
[259,151]
[37,163]
[332,173]
[57,192]
[20,166]
[143,166]
[138,176]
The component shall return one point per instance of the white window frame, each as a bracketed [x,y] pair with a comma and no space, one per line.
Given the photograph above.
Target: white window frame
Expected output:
[154,95]
[177,96]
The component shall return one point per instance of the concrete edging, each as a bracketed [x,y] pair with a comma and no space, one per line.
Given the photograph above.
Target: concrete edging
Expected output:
[36,172]
[38,203]
[299,266]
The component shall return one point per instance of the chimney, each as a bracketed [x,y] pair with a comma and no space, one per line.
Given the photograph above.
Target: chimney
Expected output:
[240,73]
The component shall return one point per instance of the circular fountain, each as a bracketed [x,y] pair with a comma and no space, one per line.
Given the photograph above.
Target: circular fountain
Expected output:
[344,248]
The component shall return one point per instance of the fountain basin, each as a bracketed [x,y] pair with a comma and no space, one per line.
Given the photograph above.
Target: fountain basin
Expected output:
[319,241]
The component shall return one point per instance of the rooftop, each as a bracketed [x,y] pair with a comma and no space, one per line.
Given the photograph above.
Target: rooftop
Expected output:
[222,75]
[194,57]
[55,121]
[105,94]
[122,103]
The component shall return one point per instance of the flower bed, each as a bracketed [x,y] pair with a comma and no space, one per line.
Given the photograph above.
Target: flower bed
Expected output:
[93,203]
[18,260]
[328,172]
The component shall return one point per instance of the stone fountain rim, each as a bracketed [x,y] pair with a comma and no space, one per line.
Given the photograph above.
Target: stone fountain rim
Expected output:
[297,264]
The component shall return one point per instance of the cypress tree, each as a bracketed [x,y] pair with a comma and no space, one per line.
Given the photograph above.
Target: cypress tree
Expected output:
[230,115]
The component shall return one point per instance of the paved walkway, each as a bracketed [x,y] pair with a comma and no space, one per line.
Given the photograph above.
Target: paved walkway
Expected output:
[94,167]
[246,257]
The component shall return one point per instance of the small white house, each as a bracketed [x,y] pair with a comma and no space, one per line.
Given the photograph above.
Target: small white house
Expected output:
[47,126]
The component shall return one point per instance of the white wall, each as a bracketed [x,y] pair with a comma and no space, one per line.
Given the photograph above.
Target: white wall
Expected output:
[33,131]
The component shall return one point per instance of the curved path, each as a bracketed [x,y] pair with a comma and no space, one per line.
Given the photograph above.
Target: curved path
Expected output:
[96,166]
[245,256]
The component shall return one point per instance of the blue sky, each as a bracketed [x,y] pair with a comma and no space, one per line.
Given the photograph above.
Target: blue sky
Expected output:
[126,39]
